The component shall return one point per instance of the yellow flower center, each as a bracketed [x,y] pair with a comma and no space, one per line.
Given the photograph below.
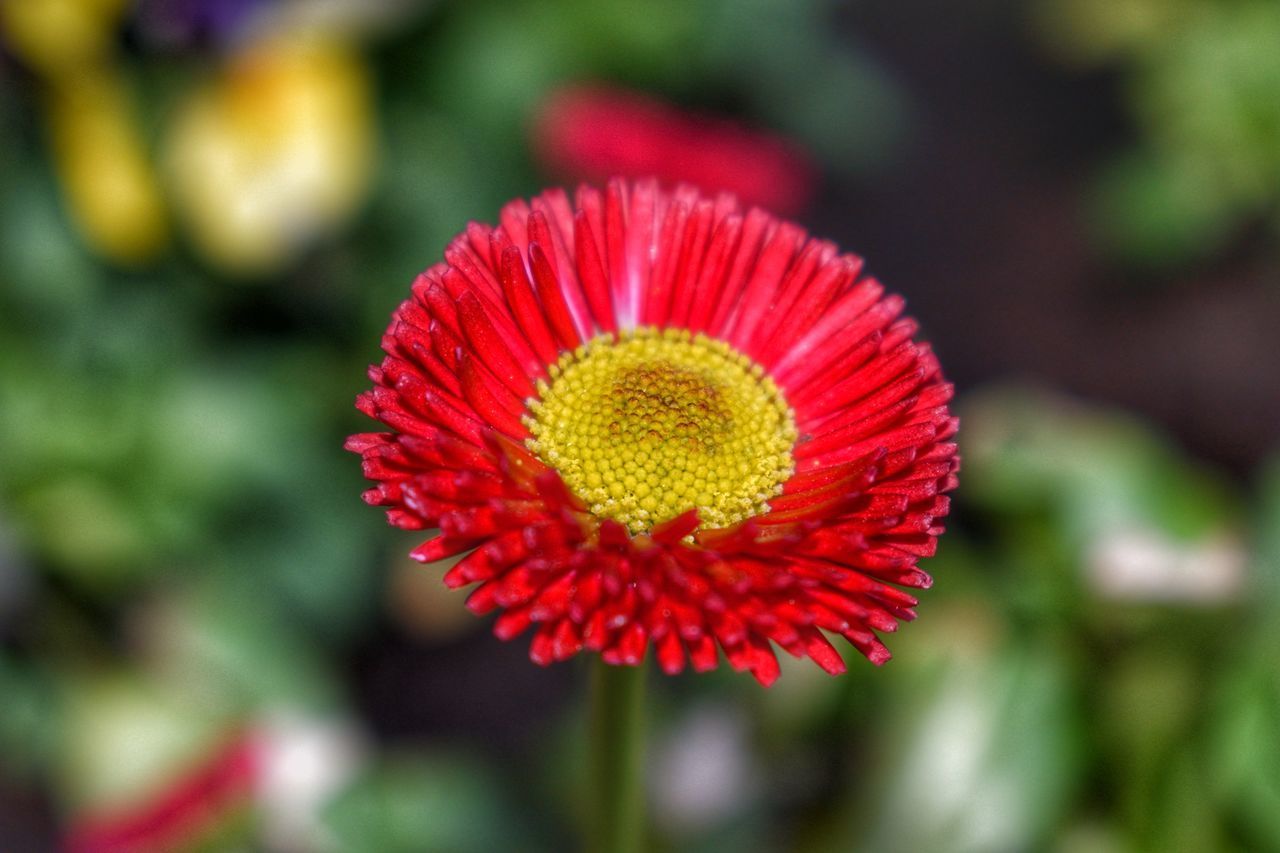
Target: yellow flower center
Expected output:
[649,424]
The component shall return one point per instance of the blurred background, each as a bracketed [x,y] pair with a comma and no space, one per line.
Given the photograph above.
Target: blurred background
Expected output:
[210,207]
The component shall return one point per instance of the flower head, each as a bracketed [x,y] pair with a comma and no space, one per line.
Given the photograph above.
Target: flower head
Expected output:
[652,418]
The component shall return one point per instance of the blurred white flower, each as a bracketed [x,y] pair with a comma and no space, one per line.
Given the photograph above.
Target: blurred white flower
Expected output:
[1135,563]
[702,770]
[304,762]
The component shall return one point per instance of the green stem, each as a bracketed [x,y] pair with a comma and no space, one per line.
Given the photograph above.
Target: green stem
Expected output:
[617,733]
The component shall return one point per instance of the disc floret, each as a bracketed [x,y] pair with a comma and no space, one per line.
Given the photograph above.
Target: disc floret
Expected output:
[648,424]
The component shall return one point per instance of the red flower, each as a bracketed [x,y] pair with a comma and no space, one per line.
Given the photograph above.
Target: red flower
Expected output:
[654,418]
[593,133]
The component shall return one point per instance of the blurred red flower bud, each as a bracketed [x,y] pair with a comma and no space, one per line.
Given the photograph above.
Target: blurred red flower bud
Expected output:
[591,133]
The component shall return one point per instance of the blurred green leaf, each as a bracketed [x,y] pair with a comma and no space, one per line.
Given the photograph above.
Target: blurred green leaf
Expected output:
[126,736]
[1266,566]
[427,804]
[496,60]
[224,642]
[978,754]
[1028,450]
[782,58]
[29,722]
[1200,84]
[1161,214]
[45,271]
[1245,744]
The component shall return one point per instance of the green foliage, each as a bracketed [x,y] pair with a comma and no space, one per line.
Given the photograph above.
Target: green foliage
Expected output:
[427,804]
[28,731]
[1200,86]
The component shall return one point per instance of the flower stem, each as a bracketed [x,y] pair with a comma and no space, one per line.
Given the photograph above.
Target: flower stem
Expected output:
[617,733]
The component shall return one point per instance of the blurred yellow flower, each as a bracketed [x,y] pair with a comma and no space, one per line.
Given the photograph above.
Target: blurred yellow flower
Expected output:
[54,35]
[273,153]
[107,178]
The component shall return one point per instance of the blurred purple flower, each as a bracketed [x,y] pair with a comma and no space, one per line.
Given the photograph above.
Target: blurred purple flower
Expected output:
[181,23]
